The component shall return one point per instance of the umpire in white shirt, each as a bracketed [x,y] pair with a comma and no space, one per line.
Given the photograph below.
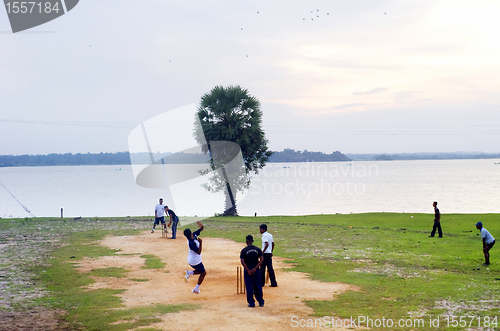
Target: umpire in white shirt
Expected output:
[267,249]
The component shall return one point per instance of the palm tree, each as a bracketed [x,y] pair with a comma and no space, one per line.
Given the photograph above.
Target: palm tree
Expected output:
[232,116]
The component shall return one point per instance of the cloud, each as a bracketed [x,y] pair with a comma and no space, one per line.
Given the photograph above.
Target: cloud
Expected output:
[377,90]
[333,109]
[349,105]
[403,96]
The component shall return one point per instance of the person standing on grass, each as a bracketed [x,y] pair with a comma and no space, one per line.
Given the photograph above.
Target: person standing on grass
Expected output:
[159,215]
[194,257]
[488,242]
[174,220]
[251,259]
[437,221]
[267,249]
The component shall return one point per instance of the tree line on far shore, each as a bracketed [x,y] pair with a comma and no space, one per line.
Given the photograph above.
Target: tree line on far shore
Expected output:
[54,159]
[123,158]
[287,155]
[423,156]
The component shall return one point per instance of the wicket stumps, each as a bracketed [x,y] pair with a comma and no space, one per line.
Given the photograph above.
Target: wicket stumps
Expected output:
[240,281]
[164,232]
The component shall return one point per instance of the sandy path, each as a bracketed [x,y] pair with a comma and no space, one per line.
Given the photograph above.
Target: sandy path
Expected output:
[221,308]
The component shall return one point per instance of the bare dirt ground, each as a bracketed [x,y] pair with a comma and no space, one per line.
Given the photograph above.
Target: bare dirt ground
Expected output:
[33,320]
[221,308]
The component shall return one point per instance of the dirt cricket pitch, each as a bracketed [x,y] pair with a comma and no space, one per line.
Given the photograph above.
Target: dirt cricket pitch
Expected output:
[221,308]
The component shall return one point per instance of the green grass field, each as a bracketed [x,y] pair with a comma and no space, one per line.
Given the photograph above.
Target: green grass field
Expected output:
[402,273]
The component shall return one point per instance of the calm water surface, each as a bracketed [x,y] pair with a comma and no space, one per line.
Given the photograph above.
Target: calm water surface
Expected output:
[460,186]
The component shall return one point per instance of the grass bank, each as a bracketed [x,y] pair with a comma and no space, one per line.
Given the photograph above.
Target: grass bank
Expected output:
[42,256]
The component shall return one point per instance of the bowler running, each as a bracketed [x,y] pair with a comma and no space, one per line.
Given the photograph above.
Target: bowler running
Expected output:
[194,257]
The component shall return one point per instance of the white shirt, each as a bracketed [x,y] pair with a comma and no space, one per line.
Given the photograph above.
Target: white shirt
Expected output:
[267,238]
[488,238]
[160,210]
[193,257]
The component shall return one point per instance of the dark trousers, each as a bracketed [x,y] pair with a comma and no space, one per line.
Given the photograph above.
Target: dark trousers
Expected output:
[437,225]
[253,286]
[268,262]
[175,221]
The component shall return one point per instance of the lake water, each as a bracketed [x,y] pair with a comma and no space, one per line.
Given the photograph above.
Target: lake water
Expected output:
[460,186]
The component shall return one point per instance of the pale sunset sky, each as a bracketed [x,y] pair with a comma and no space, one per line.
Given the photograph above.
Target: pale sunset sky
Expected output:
[354,76]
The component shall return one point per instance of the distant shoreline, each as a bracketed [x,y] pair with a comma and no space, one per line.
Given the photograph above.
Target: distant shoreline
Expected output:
[285,156]
[424,156]
[242,218]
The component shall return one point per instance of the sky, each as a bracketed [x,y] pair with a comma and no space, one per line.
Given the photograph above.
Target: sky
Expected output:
[357,76]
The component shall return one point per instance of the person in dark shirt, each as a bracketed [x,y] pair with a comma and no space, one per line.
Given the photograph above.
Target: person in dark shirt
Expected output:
[251,258]
[174,220]
[437,221]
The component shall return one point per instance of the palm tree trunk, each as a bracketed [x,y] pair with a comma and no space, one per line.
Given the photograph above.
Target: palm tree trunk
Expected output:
[230,201]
